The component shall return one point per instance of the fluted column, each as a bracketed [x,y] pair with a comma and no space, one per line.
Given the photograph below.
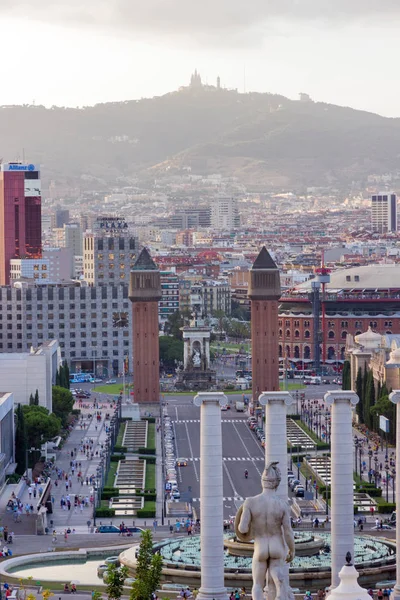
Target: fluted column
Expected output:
[276,404]
[395,398]
[211,496]
[342,503]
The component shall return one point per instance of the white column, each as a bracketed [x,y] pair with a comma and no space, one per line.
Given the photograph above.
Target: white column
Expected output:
[342,501]
[395,398]
[276,404]
[211,496]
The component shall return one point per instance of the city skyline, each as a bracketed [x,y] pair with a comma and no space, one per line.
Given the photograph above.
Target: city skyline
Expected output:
[123,53]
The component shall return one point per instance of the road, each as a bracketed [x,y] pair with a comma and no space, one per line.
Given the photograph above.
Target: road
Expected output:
[240,448]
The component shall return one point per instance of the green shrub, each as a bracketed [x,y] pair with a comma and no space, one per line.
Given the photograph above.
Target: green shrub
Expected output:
[107,495]
[386,507]
[117,457]
[76,411]
[147,495]
[142,450]
[120,448]
[105,512]
[149,419]
[145,514]
[373,492]
[151,460]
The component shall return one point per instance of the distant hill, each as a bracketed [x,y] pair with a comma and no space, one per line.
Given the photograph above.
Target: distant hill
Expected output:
[260,138]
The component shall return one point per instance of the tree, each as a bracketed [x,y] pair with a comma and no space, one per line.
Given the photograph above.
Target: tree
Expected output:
[175,322]
[369,399]
[171,350]
[115,581]
[40,425]
[31,400]
[36,399]
[58,377]
[20,441]
[360,394]
[346,376]
[148,569]
[63,403]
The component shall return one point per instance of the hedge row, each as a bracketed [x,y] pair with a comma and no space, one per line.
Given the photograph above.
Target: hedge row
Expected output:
[143,450]
[120,449]
[149,419]
[145,514]
[117,457]
[105,512]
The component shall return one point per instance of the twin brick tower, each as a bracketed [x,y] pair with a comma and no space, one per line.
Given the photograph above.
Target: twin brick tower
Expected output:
[145,293]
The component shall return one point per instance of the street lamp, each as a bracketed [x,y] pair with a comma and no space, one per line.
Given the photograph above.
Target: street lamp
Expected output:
[356,446]
[387,480]
[393,484]
[361,452]
[376,471]
[370,453]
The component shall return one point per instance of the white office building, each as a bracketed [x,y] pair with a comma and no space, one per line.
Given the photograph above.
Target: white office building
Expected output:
[224,214]
[384,212]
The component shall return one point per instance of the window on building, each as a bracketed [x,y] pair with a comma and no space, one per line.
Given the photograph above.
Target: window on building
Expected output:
[306,323]
[297,333]
[343,335]
[331,334]
[344,324]
[306,334]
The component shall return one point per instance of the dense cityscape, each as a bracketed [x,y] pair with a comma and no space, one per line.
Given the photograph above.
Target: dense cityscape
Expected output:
[164,344]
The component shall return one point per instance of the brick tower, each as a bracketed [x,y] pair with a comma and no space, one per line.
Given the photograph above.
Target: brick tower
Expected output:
[145,293]
[264,294]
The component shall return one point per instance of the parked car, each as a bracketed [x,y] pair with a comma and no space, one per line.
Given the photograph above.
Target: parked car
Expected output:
[111,381]
[115,529]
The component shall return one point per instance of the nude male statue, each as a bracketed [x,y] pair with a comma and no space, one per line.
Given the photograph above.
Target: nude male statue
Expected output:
[266,520]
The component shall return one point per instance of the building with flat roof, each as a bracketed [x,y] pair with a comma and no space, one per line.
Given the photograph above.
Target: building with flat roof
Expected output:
[22,373]
[384,212]
[20,215]
[109,252]
[224,213]
[354,299]
[7,436]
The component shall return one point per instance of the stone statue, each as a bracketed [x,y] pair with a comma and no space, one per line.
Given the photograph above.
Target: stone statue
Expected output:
[196,358]
[266,520]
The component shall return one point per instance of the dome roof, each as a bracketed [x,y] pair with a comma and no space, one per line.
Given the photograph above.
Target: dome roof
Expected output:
[369,339]
[394,357]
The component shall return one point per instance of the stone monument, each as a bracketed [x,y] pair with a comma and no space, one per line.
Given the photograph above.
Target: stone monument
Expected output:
[196,374]
[266,520]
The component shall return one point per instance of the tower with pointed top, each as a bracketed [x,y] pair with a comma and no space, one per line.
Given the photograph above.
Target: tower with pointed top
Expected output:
[145,294]
[264,294]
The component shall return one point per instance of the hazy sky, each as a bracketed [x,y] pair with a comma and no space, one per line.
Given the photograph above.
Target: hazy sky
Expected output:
[79,52]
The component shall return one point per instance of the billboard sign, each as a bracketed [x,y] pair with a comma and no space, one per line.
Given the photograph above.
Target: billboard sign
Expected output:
[19,167]
[384,424]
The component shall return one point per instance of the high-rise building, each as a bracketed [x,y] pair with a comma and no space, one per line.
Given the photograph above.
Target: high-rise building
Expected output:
[145,294]
[224,213]
[264,294]
[61,217]
[109,252]
[384,212]
[20,215]
[191,218]
[73,238]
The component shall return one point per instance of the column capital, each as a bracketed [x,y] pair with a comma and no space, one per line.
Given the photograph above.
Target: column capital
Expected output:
[341,397]
[275,398]
[395,396]
[210,398]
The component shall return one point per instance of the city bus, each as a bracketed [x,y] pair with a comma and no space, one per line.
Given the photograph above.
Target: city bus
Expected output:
[80,377]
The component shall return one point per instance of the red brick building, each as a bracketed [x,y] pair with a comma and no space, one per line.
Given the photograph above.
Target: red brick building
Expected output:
[355,299]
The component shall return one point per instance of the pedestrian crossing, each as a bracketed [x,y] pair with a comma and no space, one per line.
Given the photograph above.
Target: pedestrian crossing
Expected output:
[198,421]
[225,499]
[233,458]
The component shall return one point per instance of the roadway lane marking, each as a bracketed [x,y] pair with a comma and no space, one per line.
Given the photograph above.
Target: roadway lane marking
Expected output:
[191,452]
[247,450]
[230,480]
[234,458]
[177,453]
[225,499]
[198,420]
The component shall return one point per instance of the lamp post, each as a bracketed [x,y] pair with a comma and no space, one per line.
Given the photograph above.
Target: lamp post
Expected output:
[393,484]
[370,453]
[387,480]
[356,444]
[361,452]
[376,473]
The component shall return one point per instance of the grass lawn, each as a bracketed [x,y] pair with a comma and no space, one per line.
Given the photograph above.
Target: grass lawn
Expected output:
[151,436]
[114,389]
[120,436]
[111,474]
[150,476]
[230,347]
[149,505]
